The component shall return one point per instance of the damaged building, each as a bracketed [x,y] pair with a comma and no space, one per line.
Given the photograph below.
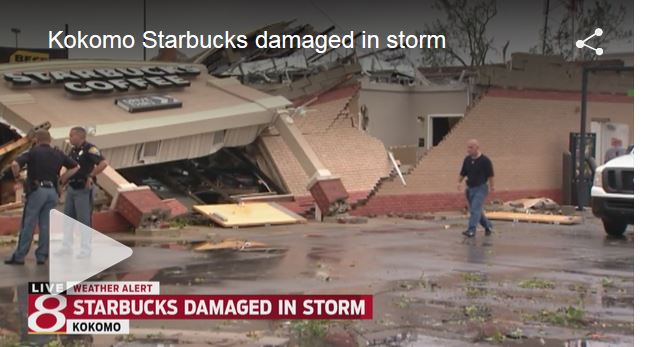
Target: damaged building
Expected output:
[149,122]
[324,138]
[425,119]
[523,115]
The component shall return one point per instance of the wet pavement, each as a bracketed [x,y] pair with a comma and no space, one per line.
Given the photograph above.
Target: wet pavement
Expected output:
[526,285]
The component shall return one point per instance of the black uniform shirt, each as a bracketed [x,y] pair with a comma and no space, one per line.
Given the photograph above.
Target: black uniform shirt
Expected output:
[477,170]
[44,163]
[87,155]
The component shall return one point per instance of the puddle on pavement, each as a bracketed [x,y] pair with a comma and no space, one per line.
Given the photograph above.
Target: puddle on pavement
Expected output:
[413,339]
[549,342]
[402,230]
[622,301]
[226,265]
[153,342]
[328,255]
[613,264]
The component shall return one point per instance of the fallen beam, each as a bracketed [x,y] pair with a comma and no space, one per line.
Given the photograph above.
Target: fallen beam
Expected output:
[535,218]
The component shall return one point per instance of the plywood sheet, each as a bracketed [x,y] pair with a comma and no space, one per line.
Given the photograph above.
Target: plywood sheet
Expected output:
[534,218]
[248,214]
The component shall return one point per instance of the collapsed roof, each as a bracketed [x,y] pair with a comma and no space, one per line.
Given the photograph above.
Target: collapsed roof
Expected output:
[222,60]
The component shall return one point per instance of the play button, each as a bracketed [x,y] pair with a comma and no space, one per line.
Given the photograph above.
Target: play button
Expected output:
[78,252]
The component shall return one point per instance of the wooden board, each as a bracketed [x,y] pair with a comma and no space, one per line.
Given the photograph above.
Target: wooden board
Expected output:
[535,218]
[248,214]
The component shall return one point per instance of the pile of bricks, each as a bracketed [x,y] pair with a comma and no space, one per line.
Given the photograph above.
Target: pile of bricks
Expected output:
[359,159]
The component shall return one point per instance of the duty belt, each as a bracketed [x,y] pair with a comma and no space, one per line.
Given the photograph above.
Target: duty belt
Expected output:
[78,183]
[45,184]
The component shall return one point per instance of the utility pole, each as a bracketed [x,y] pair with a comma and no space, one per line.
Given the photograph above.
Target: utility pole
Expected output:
[67,50]
[545,26]
[16,31]
[581,183]
[144,23]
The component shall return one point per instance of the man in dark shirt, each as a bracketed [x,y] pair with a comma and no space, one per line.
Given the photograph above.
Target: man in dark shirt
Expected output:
[79,195]
[44,164]
[477,170]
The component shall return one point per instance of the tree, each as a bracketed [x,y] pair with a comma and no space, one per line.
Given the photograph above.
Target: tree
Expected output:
[579,20]
[464,25]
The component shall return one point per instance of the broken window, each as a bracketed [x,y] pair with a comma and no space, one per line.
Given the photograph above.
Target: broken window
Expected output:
[219,136]
[150,149]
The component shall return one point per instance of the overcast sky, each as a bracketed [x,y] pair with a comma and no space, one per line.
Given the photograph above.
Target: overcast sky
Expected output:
[518,21]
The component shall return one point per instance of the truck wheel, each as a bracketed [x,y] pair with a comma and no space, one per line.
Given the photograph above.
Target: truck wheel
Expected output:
[613,227]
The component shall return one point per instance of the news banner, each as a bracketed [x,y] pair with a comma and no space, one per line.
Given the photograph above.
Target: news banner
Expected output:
[108,307]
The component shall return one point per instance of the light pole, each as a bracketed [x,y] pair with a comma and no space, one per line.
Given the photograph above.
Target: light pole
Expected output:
[16,31]
[144,25]
[582,189]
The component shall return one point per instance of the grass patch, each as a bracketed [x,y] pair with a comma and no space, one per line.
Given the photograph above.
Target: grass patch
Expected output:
[472,277]
[607,283]
[180,223]
[475,292]
[404,301]
[307,331]
[580,288]
[477,313]
[125,338]
[565,316]
[536,283]
[497,337]
[500,336]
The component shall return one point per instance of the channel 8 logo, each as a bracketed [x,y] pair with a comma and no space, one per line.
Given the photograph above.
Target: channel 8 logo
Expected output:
[45,313]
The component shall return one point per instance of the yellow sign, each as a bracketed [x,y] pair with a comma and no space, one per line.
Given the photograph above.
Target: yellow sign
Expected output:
[21,56]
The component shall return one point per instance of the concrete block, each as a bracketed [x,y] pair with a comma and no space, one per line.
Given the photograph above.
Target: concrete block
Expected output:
[328,191]
[142,208]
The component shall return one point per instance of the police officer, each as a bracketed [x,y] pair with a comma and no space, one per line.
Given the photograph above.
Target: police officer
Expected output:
[79,195]
[44,164]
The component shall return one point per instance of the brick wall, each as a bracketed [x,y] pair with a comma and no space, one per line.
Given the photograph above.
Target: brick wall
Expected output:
[524,137]
[330,128]
[384,204]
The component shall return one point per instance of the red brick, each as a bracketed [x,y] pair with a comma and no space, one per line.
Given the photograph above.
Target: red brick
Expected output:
[141,207]
[436,202]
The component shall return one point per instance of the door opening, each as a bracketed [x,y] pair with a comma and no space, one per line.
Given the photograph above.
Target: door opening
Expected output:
[439,125]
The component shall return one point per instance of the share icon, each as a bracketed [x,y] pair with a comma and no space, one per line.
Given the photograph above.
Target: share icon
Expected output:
[582,43]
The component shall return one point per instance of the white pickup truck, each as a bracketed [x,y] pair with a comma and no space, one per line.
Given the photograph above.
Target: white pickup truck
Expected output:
[612,194]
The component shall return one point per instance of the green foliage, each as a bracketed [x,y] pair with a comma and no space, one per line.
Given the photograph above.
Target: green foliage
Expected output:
[536,283]
[472,277]
[477,313]
[565,316]
[308,330]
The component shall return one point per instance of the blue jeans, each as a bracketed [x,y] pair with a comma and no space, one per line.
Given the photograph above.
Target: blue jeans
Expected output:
[78,205]
[36,211]
[476,196]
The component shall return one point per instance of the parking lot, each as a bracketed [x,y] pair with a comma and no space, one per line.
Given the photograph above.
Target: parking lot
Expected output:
[528,284]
